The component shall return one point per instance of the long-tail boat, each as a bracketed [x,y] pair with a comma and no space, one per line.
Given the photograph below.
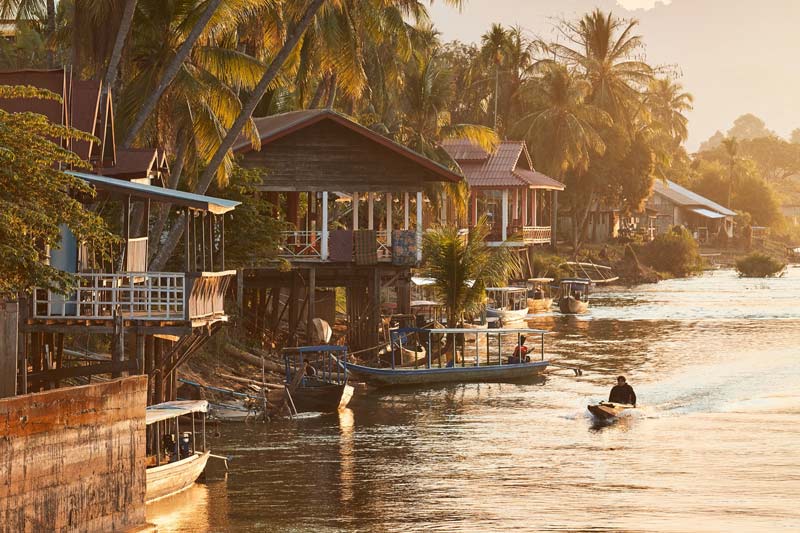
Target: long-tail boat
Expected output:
[574,295]
[316,378]
[452,357]
[174,459]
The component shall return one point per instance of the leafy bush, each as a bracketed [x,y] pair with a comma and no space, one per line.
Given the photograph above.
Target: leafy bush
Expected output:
[675,252]
[758,265]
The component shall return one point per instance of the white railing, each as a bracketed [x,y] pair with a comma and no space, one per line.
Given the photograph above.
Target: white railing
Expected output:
[301,244]
[384,248]
[536,234]
[139,295]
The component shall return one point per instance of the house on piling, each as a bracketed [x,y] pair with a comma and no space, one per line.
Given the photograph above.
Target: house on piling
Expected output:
[354,203]
[519,202]
[153,321]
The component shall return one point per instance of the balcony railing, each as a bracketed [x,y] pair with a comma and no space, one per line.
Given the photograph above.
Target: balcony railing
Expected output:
[536,234]
[301,244]
[137,295]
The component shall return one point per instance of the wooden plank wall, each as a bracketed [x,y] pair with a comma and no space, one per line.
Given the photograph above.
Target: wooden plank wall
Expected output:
[73,459]
[9,313]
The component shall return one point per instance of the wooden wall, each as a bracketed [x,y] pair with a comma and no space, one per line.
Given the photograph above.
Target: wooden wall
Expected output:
[9,327]
[73,458]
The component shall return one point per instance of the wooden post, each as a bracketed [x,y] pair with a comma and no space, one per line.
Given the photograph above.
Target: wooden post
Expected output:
[388,197]
[370,210]
[240,294]
[553,218]
[22,346]
[9,344]
[312,308]
[515,207]
[355,211]
[419,226]
[324,250]
[525,196]
[534,208]
[504,217]
[405,211]
[187,239]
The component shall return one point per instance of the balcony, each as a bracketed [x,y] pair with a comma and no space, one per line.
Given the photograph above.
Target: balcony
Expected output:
[314,246]
[536,234]
[145,296]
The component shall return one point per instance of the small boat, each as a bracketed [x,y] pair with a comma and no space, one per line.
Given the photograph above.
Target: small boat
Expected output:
[483,362]
[597,274]
[574,295]
[509,304]
[174,459]
[539,298]
[608,410]
[316,378]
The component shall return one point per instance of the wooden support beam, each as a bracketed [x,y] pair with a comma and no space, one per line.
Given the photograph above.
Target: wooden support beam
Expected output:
[370,210]
[312,308]
[354,206]
[389,209]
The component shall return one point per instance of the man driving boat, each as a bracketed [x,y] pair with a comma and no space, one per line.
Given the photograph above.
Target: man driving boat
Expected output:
[622,392]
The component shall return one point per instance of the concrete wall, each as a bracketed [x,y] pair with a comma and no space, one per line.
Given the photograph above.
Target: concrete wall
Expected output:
[72,459]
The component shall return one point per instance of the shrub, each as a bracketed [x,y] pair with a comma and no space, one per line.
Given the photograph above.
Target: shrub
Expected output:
[758,265]
[675,252]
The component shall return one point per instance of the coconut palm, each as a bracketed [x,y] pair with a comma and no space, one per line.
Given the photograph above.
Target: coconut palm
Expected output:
[463,266]
[668,104]
[603,47]
[494,45]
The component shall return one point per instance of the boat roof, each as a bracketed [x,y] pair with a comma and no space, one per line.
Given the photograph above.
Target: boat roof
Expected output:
[505,289]
[167,410]
[577,280]
[540,280]
[426,303]
[491,331]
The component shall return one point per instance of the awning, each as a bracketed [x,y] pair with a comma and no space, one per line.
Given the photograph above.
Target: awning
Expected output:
[218,206]
[707,213]
[167,410]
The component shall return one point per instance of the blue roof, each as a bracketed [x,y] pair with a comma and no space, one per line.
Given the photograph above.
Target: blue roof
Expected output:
[684,197]
[218,206]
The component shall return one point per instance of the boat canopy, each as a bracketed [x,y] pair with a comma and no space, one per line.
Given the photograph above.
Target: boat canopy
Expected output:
[425,303]
[429,282]
[167,410]
[540,280]
[505,289]
[576,281]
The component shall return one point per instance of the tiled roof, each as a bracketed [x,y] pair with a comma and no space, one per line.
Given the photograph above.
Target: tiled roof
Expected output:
[507,166]
[684,197]
[274,127]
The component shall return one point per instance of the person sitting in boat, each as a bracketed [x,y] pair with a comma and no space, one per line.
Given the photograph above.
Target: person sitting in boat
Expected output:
[622,392]
[520,353]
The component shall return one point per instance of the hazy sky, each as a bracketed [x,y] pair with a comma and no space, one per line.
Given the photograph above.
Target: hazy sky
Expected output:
[736,56]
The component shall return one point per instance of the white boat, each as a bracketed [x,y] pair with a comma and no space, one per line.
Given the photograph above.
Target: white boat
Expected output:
[574,295]
[507,303]
[177,460]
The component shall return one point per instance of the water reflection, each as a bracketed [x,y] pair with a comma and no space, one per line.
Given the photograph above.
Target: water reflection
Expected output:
[713,448]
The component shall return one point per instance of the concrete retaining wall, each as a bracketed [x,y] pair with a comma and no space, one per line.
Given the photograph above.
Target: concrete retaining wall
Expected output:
[72,459]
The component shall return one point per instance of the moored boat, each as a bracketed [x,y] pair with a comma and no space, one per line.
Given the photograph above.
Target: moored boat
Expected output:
[608,410]
[460,361]
[574,295]
[316,378]
[174,459]
[539,298]
[509,304]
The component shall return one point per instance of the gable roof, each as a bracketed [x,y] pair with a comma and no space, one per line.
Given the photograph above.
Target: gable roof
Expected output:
[274,127]
[508,166]
[686,198]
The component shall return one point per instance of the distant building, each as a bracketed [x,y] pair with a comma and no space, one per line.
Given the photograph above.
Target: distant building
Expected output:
[504,186]
[675,205]
[791,213]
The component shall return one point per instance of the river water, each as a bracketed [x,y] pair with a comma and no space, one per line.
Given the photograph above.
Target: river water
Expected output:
[715,446]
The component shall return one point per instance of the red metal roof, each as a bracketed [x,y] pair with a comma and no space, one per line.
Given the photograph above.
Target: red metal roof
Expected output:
[133,163]
[274,127]
[508,166]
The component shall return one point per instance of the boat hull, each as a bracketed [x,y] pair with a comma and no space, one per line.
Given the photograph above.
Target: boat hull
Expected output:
[607,411]
[172,478]
[468,374]
[507,315]
[571,306]
[322,399]
[539,305]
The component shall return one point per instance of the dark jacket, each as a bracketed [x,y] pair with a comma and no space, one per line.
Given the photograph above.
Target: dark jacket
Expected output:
[622,394]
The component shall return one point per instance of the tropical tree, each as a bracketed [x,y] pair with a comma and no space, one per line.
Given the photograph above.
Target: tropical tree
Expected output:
[668,104]
[463,266]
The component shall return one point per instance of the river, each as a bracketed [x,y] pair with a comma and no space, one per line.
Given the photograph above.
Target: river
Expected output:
[715,446]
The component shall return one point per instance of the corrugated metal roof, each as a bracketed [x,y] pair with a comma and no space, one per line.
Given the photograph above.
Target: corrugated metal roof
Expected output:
[274,127]
[684,197]
[218,206]
[503,168]
[707,213]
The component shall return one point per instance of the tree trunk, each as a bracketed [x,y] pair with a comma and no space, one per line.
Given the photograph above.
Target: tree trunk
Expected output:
[170,72]
[331,91]
[583,221]
[244,116]
[51,29]
[172,183]
[116,54]
[317,98]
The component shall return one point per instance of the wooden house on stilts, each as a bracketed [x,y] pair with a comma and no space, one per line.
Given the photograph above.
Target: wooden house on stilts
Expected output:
[353,202]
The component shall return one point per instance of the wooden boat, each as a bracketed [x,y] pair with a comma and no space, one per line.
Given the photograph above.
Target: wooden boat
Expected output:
[177,460]
[597,274]
[507,303]
[316,378]
[608,410]
[574,295]
[538,292]
[468,362]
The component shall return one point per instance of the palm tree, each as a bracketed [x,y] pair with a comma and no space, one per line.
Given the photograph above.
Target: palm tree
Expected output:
[603,48]
[463,266]
[494,45]
[668,104]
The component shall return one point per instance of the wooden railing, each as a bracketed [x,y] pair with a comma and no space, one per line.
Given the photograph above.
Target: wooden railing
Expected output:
[301,244]
[536,234]
[137,295]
